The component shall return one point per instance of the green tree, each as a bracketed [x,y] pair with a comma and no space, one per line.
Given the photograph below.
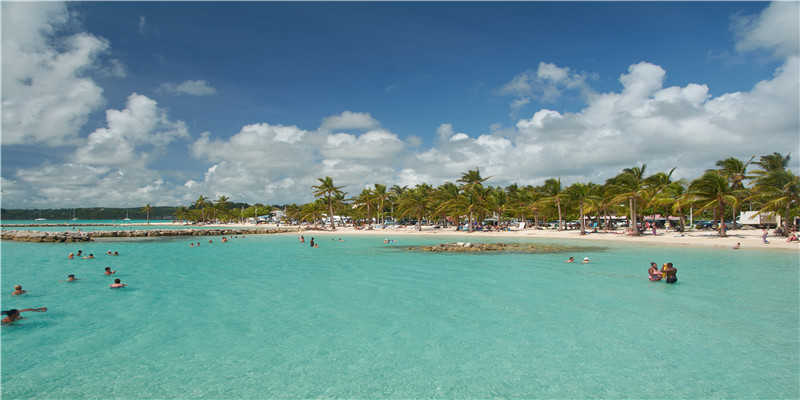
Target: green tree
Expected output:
[416,201]
[553,194]
[201,203]
[711,191]
[147,209]
[328,189]
[630,185]
[778,190]
[581,193]
[736,172]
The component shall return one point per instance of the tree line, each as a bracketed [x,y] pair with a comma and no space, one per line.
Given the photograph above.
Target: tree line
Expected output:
[718,194]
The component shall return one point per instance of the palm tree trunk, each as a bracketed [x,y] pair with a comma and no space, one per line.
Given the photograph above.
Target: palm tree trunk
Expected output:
[330,212]
[722,221]
[786,221]
[560,221]
[583,221]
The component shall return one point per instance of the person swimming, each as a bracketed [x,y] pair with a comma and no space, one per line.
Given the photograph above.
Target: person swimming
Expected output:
[571,260]
[71,256]
[670,273]
[117,284]
[70,278]
[18,290]
[13,315]
[585,260]
[109,271]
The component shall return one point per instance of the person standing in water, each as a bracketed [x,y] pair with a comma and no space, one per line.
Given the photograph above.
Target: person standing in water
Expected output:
[669,273]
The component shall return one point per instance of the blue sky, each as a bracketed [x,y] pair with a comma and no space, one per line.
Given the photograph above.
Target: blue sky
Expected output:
[122,104]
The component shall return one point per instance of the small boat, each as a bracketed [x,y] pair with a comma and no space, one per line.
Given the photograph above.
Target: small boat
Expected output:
[40,217]
[73,215]
[126,216]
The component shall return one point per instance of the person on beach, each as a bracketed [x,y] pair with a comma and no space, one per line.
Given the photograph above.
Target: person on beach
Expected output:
[13,315]
[571,260]
[117,284]
[669,273]
[653,272]
[737,246]
[18,291]
[764,234]
[792,238]
[109,271]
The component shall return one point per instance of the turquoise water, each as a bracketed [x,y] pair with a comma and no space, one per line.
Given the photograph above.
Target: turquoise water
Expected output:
[266,317]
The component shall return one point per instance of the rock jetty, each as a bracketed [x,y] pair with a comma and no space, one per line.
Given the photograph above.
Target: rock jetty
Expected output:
[528,248]
[71,236]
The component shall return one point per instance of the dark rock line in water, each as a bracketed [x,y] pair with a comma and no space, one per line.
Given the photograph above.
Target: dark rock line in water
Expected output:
[461,247]
[43,236]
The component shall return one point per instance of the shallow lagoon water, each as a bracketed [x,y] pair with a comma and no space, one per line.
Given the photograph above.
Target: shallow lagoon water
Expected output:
[266,317]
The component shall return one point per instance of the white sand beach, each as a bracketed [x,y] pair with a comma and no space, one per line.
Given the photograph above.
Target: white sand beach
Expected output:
[748,238]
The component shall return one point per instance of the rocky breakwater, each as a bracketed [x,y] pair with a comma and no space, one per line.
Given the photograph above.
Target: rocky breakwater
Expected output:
[461,247]
[41,236]
[71,236]
[527,248]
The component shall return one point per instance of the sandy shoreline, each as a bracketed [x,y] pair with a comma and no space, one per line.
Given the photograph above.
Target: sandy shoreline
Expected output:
[749,239]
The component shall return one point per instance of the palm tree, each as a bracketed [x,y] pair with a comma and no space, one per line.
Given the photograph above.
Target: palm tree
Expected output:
[381,194]
[472,179]
[366,200]
[772,162]
[736,171]
[182,213]
[443,194]
[146,209]
[313,211]
[711,191]
[582,194]
[201,204]
[327,188]
[221,204]
[778,190]
[554,194]
[415,201]
[630,185]
[395,193]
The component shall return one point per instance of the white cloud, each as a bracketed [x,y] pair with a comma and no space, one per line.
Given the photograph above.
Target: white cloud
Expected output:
[349,120]
[46,96]
[776,29]
[547,83]
[132,137]
[191,88]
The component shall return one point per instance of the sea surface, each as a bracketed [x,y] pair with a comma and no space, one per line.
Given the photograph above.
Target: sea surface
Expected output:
[264,316]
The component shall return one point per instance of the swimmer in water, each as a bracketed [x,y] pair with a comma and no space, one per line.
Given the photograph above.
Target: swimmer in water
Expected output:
[571,260]
[18,291]
[109,271]
[71,256]
[89,256]
[116,253]
[70,278]
[117,284]
[585,260]
[670,273]
[80,253]
[13,315]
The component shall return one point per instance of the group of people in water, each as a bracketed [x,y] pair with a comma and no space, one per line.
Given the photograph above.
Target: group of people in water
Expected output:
[224,240]
[13,315]
[667,272]
[302,239]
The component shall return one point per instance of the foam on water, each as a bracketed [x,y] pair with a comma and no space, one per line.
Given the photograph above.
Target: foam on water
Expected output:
[267,317]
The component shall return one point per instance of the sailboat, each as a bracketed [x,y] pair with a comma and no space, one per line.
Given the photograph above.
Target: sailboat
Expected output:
[126,216]
[73,215]
[40,217]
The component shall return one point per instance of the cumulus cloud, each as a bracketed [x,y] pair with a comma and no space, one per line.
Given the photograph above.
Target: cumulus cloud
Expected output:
[349,120]
[776,29]
[190,88]
[547,83]
[46,96]
[132,136]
